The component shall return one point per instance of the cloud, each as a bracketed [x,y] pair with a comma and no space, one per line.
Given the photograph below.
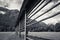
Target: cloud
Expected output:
[12,4]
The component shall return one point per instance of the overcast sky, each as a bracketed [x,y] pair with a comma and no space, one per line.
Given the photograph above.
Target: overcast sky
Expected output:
[12,4]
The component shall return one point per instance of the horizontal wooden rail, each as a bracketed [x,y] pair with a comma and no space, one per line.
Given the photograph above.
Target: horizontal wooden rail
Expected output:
[45,12]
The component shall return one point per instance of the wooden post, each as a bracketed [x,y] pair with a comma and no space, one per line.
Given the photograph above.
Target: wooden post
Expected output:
[25,27]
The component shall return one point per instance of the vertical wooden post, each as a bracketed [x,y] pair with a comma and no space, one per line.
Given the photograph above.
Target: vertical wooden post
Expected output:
[19,30]
[25,27]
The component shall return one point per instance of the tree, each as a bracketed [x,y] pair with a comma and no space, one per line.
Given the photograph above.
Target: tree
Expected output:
[57,26]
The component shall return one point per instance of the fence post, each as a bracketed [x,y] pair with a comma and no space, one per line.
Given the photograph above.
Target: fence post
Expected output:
[25,26]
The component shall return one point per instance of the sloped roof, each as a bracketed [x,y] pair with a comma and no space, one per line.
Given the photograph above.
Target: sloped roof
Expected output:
[27,6]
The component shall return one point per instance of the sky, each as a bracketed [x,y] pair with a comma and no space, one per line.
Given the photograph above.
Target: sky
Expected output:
[12,4]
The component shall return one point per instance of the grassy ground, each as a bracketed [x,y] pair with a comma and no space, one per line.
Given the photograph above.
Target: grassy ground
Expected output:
[31,36]
[38,38]
[44,35]
[9,36]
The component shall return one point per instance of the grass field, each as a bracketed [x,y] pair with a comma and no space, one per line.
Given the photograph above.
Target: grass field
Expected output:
[31,36]
[44,35]
[9,36]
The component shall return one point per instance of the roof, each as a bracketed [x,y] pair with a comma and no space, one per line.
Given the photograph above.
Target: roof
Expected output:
[27,6]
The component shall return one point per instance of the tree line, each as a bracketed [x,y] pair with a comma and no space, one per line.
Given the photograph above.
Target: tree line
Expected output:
[42,27]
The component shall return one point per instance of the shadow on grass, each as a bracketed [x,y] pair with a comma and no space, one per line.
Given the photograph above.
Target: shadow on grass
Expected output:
[38,38]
